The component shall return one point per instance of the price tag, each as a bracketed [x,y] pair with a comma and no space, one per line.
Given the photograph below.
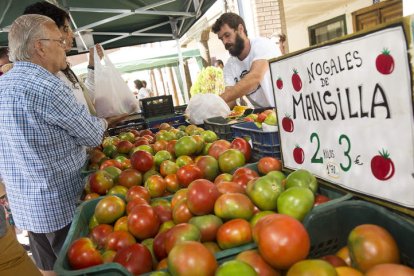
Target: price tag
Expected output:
[345,113]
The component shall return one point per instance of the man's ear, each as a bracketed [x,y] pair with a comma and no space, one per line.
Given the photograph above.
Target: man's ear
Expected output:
[241,29]
[39,49]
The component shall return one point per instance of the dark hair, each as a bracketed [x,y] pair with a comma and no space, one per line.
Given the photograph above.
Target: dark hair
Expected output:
[138,84]
[220,62]
[231,19]
[58,15]
[4,52]
[45,8]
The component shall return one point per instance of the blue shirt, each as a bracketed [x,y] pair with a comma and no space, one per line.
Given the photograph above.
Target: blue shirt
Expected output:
[43,131]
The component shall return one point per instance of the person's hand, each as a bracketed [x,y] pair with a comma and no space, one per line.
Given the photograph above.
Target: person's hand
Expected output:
[99,51]
[112,121]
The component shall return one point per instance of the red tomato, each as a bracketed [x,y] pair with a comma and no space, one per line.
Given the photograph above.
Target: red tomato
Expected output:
[121,224]
[100,233]
[191,258]
[142,160]
[109,209]
[334,260]
[156,186]
[279,83]
[243,146]
[118,240]
[218,147]
[143,222]
[298,155]
[138,191]
[320,199]
[159,246]
[187,174]
[124,146]
[178,196]
[100,182]
[382,166]
[201,196]
[129,178]
[109,163]
[82,253]
[179,233]
[268,164]
[242,176]
[226,187]
[282,240]
[135,202]
[234,233]
[168,167]
[171,182]
[181,213]
[164,213]
[287,124]
[253,258]
[370,245]
[135,258]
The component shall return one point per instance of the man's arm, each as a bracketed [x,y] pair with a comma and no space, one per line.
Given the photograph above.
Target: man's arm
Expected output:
[247,84]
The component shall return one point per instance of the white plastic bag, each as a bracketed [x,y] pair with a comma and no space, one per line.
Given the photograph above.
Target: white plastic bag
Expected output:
[112,94]
[204,106]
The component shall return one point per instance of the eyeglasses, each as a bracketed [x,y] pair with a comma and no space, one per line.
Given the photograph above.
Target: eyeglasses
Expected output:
[61,41]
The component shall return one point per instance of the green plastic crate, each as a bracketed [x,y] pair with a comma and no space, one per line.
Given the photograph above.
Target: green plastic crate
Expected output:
[329,227]
[79,228]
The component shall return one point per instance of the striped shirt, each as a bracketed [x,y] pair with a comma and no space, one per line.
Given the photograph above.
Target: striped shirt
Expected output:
[43,131]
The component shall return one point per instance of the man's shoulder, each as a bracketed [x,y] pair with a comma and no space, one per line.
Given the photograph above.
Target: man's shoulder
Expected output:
[260,40]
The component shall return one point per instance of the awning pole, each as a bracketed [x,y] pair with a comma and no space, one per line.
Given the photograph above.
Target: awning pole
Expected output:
[173,22]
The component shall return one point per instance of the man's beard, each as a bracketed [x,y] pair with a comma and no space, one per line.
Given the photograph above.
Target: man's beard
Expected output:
[236,48]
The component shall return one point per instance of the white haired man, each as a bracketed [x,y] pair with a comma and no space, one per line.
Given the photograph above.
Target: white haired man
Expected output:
[43,134]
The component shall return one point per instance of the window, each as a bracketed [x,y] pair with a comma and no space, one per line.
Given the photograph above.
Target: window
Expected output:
[330,29]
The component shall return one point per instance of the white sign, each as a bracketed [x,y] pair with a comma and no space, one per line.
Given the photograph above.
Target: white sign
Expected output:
[345,113]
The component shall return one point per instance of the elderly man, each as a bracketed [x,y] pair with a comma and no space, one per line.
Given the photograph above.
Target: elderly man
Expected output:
[246,72]
[43,134]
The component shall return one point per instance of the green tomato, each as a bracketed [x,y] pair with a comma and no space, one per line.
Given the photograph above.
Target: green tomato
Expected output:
[295,202]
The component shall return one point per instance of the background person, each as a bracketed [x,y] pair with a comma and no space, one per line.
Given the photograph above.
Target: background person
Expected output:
[219,63]
[246,72]
[43,129]
[142,91]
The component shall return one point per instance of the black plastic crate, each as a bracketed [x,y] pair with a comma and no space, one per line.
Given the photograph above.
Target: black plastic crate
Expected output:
[180,109]
[263,143]
[221,127]
[157,106]
[330,226]
[174,120]
[137,124]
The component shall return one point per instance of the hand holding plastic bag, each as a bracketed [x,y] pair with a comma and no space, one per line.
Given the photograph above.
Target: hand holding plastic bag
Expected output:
[204,106]
[112,95]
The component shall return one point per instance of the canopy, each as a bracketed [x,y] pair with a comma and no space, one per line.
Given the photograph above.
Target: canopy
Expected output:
[139,62]
[118,23]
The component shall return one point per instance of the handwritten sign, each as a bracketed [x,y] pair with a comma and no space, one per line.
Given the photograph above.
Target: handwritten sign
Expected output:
[345,113]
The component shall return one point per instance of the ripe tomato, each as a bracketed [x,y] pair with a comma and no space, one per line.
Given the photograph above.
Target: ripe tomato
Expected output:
[226,187]
[142,160]
[268,164]
[390,269]
[143,222]
[218,147]
[100,233]
[109,209]
[135,202]
[156,186]
[181,213]
[243,146]
[135,258]
[129,178]
[370,245]
[208,166]
[201,196]
[223,177]
[82,253]
[187,174]
[282,240]
[100,182]
[178,196]
[118,240]
[191,258]
[234,233]
[138,191]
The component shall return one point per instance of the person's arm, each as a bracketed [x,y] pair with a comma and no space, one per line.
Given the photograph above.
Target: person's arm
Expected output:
[247,84]
[90,79]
